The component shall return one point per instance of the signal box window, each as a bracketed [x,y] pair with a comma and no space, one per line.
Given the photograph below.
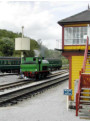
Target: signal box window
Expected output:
[75,35]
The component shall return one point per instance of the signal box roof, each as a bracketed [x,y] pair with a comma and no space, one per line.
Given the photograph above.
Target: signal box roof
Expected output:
[82,17]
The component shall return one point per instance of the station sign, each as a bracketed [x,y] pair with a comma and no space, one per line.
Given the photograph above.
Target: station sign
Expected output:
[67,91]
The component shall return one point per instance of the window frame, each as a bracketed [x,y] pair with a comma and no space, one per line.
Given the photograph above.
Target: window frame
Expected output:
[75,35]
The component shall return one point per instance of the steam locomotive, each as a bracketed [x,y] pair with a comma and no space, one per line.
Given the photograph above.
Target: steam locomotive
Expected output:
[38,67]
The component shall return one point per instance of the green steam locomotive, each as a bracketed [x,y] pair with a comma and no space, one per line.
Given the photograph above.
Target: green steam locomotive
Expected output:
[38,67]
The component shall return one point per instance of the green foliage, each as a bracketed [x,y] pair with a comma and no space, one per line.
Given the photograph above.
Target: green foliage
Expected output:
[53,54]
[1,54]
[33,44]
[49,53]
[6,46]
[64,60]
[7,42]
[9,34]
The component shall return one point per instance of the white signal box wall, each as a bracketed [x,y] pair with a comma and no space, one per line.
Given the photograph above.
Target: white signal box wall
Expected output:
[22,44]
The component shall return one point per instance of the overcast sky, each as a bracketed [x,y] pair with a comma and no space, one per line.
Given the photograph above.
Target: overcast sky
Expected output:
[39,18]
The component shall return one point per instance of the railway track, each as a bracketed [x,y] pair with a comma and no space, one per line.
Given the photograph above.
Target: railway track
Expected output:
[7,74]
[24,82]
[57,73]
[15,93]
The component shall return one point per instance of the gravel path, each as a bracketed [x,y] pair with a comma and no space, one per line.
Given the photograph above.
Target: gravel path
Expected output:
[47,106]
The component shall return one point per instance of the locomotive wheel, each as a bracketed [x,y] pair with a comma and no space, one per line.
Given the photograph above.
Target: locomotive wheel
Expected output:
[40,76]
[44,76]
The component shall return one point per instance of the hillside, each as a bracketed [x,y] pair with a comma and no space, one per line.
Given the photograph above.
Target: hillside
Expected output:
[7,44]
[7,47]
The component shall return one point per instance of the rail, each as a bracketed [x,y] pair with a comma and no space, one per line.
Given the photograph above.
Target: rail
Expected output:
[27,81]
[80,78]
[15,93]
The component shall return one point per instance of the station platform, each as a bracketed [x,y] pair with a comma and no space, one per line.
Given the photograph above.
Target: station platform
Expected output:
[50,105]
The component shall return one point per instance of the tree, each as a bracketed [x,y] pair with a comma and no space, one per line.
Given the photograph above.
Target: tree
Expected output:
[6,46]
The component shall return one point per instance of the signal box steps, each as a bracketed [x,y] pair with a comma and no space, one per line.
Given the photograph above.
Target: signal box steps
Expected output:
[85,89]
[83,95]
[84,105]
[86,111]
[84,101]
[87,68]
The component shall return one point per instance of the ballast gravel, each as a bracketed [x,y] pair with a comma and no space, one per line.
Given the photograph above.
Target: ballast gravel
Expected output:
[50,105]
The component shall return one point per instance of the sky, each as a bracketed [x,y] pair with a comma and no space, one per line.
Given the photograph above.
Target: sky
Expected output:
[39,18]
